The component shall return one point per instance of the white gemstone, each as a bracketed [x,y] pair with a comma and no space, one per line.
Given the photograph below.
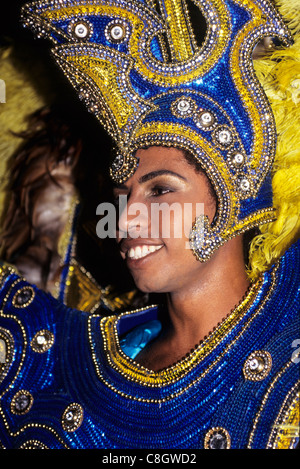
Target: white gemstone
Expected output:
[183,105]
[238,159]
[224,136]
[206,118]
[81,30]
[244,184]
[69,415]
[118,162]
[41,339]
[117,32]
[253,364]
[2,351]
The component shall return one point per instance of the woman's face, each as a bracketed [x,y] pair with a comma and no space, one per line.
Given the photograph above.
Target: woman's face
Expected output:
[164,196]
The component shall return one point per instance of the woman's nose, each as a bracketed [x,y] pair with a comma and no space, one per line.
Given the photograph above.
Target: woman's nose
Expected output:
[133,219]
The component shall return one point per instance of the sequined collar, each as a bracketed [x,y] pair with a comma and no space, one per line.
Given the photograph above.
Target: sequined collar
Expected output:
[133,371]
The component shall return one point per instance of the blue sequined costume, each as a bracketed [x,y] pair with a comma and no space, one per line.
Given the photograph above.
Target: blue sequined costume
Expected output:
[66,383]
[70,379]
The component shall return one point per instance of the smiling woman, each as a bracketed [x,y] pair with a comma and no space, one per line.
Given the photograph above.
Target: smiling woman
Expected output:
[211,366]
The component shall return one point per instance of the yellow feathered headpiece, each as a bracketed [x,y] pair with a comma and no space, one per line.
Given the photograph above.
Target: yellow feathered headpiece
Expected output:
[279,74]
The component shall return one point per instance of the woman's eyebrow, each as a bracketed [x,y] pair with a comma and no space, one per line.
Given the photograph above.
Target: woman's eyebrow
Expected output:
[154,174]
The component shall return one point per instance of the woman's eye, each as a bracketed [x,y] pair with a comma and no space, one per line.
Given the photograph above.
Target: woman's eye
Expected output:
[160,190]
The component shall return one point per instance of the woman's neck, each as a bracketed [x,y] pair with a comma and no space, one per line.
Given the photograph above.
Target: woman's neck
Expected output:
[198,307]
[195,310]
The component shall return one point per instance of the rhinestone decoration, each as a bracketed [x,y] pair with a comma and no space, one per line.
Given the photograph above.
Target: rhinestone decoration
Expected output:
[197,393]
[117,31]
[42,341]
[244,184]
[23,297]
[123,167]
[257,366]
[183,107]
[21,402]
[223,137]
[217,438]
[203,246]
[80,29]
[72,417]
[205,120]
[117,163]
[238,159]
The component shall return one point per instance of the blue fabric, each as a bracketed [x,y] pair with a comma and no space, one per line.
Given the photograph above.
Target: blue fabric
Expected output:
[137,339]
[120,412]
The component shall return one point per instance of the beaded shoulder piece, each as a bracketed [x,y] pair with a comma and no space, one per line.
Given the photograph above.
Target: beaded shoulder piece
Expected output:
[139,69]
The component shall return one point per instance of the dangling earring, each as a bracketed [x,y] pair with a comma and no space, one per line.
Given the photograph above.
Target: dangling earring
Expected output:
[204,239]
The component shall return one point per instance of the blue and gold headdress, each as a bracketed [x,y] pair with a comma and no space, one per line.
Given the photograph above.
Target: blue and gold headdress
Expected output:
[139,69]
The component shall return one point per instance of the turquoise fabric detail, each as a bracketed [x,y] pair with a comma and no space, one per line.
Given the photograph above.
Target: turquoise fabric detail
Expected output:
[137,339]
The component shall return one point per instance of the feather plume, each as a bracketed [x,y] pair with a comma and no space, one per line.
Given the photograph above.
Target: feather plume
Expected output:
[279,73]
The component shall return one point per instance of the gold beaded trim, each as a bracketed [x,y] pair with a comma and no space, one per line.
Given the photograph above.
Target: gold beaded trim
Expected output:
[218,172]
[265,399]
[102,74]
[286,430]
[31,425]
[3,272]
[135,372]
[197,64]
[178,31]
[214,432]
[17,320]
[33,444]
[215,167]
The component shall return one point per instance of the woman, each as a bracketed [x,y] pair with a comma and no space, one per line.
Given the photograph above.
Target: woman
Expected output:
[214,366]
[194,306]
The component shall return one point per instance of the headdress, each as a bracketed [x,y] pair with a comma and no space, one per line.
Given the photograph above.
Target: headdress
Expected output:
[139,69]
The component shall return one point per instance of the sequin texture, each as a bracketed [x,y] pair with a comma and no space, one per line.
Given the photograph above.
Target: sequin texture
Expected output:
[84,392]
